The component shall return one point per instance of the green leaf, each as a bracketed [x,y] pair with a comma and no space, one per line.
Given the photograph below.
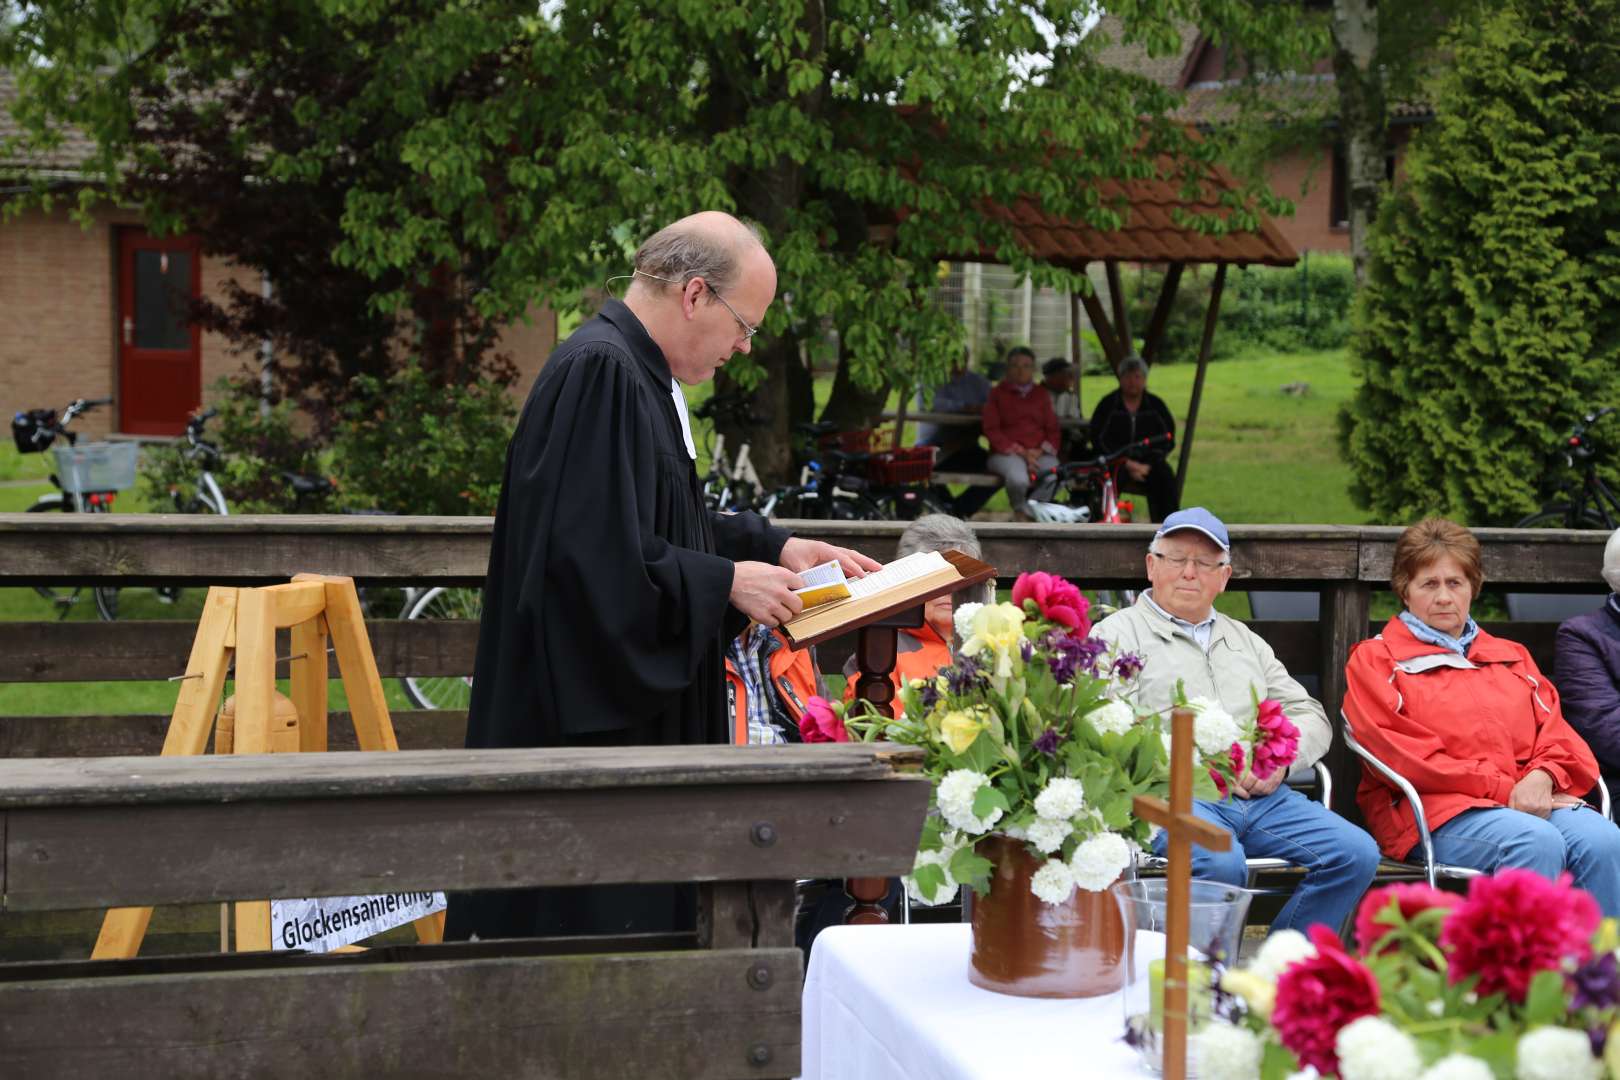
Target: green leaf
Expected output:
[1545,1002]
[972,869]
[930,879]
[987,799]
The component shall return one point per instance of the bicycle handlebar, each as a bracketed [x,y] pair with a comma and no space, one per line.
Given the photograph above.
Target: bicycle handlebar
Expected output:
[1102,461]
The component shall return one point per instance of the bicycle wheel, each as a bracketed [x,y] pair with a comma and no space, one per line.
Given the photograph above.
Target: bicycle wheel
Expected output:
[443,691]
[61,598]
[909,504]
[849,507]
[1558,517]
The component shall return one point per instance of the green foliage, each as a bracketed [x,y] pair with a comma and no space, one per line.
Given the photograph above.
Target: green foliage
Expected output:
[409,446]
[258,445]
[1489,317]
[1287,308]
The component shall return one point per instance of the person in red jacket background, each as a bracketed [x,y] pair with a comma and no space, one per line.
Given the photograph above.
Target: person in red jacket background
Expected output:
[1022,430]
[1476,728]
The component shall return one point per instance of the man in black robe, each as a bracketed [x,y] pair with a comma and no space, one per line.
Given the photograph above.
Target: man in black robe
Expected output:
[612,589]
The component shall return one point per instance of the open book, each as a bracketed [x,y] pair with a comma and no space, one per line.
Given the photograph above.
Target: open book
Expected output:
[834,603]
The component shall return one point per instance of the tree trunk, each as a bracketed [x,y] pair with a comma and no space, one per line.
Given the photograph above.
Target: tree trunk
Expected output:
[851,407]
[1363,118]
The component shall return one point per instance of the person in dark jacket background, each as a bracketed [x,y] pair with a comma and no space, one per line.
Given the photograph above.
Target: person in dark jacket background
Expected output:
[1129,415]
[1586,670]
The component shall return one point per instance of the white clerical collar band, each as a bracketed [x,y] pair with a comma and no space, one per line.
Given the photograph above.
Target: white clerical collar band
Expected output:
[686,421]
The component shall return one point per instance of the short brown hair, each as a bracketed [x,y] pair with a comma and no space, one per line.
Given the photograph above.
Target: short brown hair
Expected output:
[1431,539]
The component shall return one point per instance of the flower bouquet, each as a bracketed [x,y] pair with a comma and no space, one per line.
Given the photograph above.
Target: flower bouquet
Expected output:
[1516,981]
[1033,740]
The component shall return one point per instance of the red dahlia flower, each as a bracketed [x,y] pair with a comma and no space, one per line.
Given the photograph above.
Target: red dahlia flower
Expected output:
[1515,924]
[1058,600]
[1319,995]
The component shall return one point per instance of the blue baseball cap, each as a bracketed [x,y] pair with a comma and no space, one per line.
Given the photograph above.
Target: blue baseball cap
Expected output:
[1200,520]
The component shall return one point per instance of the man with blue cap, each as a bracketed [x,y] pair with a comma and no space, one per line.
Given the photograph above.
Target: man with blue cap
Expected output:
[1180,637]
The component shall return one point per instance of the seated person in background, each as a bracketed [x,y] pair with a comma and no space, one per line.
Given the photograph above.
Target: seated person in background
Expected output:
[1057,375]
[959,449]
[767,684]
[1586,669]
[1473,725]
[1130,414]
[922,651]
[1022,430]
[1180,637]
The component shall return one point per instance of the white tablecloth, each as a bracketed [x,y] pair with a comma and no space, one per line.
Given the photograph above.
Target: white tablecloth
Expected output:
[894,1003]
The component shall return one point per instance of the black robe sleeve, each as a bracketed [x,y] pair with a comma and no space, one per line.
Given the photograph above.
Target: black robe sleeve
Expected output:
[605,596]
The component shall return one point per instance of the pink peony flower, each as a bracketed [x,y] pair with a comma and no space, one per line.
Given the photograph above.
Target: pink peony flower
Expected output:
[1515,924]
[1413,898]
[1237,769]
[1276,740]
[1058,600]
[1319,995]
[820,723]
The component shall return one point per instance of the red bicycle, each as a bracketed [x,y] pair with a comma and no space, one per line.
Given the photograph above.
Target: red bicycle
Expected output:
[1087,489]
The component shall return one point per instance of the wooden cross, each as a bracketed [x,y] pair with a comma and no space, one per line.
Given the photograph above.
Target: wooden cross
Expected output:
[1184,829]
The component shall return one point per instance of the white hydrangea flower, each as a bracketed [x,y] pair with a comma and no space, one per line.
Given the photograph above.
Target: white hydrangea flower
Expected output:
[1112,716]
[963,620]
[1048,834]
[1555,1053]
[1099,859]
[1458,1067]
[1307,1073]
[955,798]
[1280,950]
[1053,882]
[1061,799]
[1372,1048]
[941,859]
[1226,1052]
[1214,729]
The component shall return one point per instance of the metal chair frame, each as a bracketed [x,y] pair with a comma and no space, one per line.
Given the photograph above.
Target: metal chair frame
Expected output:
[1433,870]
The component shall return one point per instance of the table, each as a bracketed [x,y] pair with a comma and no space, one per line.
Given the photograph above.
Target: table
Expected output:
[894,1003]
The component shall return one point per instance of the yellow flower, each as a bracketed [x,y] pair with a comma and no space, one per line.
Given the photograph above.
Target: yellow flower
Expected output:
[998,629]
[959,730]
[1259,992]
[1611,1053]
[1608,936]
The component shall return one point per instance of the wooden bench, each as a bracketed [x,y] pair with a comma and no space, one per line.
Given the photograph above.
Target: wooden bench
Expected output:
[722,1001]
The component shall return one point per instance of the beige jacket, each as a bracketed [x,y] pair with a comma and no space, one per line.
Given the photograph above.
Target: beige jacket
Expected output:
[1237,660]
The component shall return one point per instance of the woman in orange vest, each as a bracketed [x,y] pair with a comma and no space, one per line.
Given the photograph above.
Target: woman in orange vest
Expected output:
[921,652]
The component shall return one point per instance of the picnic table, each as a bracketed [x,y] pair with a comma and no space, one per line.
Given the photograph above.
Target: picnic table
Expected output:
[973,419]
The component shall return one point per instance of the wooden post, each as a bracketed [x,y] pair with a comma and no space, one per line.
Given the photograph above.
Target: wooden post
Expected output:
[1183,829]
[1105,333]
[1198,380]
[1076,355]
[1116,298]
[1347,607]
[1154,337]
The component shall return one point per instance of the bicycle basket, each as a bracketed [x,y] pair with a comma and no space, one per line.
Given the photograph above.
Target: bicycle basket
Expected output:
[33,430]
[103,466]
[908,465]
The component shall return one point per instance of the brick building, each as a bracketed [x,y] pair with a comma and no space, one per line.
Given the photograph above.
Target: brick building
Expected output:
[88,312]
[1314,176]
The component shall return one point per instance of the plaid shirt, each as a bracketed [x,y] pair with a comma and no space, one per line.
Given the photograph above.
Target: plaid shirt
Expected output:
[750,653]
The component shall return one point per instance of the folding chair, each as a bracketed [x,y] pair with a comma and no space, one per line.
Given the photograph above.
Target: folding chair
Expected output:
[1434,870]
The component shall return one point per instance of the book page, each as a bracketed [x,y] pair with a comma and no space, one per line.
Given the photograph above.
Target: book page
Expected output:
[822,584]
[898,573]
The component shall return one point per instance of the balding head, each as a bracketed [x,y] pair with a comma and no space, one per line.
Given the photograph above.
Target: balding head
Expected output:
[710,245]
[701,286]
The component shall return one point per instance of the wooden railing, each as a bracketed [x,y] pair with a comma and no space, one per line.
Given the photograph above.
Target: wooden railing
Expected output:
[1345,564]
[720,1002]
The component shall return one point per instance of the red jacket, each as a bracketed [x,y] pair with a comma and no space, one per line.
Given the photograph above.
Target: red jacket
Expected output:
[919,654]
[1464,732]
[1026,420]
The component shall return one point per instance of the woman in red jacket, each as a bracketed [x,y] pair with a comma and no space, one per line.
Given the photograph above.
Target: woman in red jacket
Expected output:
[1474,725]
[1022,430]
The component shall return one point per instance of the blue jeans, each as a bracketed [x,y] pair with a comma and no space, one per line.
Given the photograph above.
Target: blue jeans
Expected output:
[1339,859]
[1578,839]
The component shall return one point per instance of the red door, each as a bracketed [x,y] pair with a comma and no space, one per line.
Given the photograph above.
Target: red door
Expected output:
[159,348]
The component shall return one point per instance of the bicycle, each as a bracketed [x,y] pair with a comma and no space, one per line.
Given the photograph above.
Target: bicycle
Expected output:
[88,478]
[1091,486]
[441,602]
[829,487]
[729,485]
[1595,505]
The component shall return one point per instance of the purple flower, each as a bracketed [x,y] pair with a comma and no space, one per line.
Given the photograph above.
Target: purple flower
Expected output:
[966,676]
[1598,1036]
[1070,655]
[1026,649]
[929,694]
[1596,983]
[1047,741]
[1127,666]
